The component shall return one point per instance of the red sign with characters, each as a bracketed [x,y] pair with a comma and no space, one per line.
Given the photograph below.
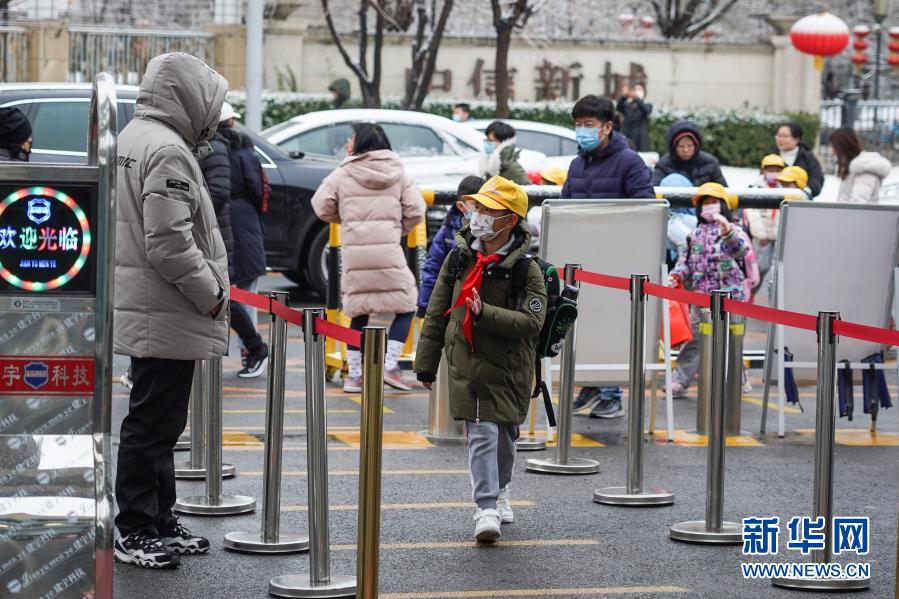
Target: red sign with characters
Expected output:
[41,375]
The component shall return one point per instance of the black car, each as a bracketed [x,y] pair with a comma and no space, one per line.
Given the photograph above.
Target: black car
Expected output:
[295,239]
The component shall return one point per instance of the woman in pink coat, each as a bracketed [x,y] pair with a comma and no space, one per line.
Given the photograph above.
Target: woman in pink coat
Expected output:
[376,204]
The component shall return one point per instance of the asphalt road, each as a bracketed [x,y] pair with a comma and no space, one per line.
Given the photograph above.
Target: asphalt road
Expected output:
[561,544]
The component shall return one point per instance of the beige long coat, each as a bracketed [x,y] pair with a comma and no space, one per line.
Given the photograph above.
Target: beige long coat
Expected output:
[376,204]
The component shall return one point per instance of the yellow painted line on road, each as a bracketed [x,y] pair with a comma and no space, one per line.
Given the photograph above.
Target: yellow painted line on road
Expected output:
[239,438]
[772,405]
[578,440]
[287,411]
[357,399]
[288,428]
[474,545]
[858,437]
[331,447]
[391,439]
[539,592]
[688,439]
[426,472]
[403,506]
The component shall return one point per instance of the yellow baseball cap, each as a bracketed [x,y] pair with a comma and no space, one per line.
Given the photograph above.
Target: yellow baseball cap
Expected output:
[715,190]
[499,193]
[555,175]
[794,174]
[773,160]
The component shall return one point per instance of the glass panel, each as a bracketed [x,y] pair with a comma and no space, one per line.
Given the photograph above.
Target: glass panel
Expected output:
[60,126]
[414,141]
[539,142]
[330,141]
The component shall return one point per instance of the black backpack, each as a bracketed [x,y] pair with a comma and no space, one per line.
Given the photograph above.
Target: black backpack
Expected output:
[561,311]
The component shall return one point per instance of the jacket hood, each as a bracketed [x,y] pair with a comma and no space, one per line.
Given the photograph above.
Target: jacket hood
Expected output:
[520,247]
[617,143]
[492,164]
[378,169]
[183,92]
[341,86]
[683,127]
[870,162]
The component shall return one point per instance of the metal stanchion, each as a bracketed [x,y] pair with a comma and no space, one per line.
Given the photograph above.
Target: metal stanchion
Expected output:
[530,441]
[214,503]
[195,467]
[270,539]
[824,440]
[319,582]
[374,340]
[562,463]
[734,384]
[633,494]
[442,429]
[704,386]
[714,530]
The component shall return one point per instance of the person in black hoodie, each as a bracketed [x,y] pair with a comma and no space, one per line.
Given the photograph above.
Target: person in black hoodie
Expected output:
[248,191]
[15,135]
[635,111]
[686,156]
[790,147]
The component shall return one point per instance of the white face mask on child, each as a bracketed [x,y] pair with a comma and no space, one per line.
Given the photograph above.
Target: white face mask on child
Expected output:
[482,226]
[710,211]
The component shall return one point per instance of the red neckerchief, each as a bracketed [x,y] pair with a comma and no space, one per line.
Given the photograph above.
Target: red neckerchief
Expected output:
[471,282]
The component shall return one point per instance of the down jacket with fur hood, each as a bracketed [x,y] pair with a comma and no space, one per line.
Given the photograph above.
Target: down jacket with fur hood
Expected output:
[376,204]
[862,185]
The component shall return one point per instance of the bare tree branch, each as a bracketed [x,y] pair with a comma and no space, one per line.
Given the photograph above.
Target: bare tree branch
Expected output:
[329,21]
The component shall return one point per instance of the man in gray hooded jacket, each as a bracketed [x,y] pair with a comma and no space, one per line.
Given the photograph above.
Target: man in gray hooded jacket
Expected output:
[171,298]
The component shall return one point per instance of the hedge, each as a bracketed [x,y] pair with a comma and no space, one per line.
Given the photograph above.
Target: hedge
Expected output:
[736,137]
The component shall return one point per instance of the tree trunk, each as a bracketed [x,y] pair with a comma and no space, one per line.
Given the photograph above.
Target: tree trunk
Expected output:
[501,68]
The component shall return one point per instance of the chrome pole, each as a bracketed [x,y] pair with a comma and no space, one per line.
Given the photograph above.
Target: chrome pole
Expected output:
[633,493]
[319,582]
[714,530]
[442,429]
[213,503]
[270,539]
[194,468]
[563,463]
[824,440]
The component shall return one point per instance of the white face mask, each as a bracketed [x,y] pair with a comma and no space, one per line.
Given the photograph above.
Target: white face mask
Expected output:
[482,226]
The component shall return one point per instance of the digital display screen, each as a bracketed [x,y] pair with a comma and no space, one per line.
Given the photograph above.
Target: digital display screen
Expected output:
[47,238]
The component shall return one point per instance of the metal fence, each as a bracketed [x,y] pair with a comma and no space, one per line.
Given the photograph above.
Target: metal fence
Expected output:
[126,52]
[875,121]
[13,54]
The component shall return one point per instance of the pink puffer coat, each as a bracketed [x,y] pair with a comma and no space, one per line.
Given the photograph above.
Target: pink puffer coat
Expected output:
[376,203]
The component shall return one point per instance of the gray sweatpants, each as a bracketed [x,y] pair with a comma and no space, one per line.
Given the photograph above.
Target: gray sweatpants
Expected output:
[491,456]
[688,360]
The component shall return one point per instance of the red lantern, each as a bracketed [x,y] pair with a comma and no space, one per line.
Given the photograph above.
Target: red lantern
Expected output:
[894,47]
[893,32]
[647,22]
[859,60]
[893,61]
[625,20]
[860,31]
[821,34]
[860,45]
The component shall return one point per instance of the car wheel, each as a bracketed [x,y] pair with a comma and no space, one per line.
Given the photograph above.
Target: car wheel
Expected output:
[316,267]
[294,277]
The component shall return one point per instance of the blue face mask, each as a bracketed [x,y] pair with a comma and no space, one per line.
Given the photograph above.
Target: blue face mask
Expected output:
[457,117]
[489,146]
[587,138]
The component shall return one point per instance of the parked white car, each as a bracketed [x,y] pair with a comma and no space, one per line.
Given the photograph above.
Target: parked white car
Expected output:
[559,144]
[433,149]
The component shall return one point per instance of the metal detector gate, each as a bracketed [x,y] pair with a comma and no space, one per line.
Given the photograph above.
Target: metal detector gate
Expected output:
[57,227]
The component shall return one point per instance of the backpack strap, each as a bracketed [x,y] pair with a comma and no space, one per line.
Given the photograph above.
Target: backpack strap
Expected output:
[519,280]
[540,388]
[455,264]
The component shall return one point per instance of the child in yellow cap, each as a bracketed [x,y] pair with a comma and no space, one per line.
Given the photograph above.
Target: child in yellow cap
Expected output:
[772,164]
[488,336]
[795,177]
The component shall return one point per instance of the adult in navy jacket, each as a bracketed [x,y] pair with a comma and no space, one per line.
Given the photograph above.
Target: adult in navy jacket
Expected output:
[686,156]
[605,166]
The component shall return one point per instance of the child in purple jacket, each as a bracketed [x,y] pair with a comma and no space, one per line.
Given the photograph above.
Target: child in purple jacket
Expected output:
[711,260]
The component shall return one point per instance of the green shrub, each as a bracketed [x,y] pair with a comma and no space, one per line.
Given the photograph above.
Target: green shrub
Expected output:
[736,137]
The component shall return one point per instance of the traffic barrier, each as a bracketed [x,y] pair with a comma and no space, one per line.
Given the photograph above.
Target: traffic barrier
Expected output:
[562,463]
[213,503]
[319,582]
[195,467]
[270,539]
[714,530]
[824,438]
[633,494]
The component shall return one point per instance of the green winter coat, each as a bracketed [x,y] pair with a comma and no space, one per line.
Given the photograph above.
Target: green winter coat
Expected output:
[493,381]
[510,168]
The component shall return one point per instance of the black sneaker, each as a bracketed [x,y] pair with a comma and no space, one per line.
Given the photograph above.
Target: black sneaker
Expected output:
[585,400]
[144,549]
[178,539]
[255,364]
[608,407]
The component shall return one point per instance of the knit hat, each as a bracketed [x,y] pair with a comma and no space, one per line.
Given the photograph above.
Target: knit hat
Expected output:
[14,127]
[684,134]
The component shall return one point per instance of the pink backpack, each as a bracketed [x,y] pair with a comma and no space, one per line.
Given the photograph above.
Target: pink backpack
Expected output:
[750,266]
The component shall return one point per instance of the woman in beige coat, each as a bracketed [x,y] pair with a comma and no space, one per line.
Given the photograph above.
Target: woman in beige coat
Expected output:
[375,203]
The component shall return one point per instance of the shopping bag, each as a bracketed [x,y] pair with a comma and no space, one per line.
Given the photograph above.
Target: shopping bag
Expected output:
[679,317]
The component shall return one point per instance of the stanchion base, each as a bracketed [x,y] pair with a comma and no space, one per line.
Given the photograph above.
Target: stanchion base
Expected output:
[184,471]
[444,439]
[183,443]
[530,444]
[301,585]
[251,542]
[227,505]
[552,466]
[821,584]
[695,532]
[620,496]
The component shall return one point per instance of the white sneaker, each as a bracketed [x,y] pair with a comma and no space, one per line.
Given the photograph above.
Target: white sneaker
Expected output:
[486,528]
[504,507]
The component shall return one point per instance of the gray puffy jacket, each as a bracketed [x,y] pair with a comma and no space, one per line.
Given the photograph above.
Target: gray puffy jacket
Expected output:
[171,267]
